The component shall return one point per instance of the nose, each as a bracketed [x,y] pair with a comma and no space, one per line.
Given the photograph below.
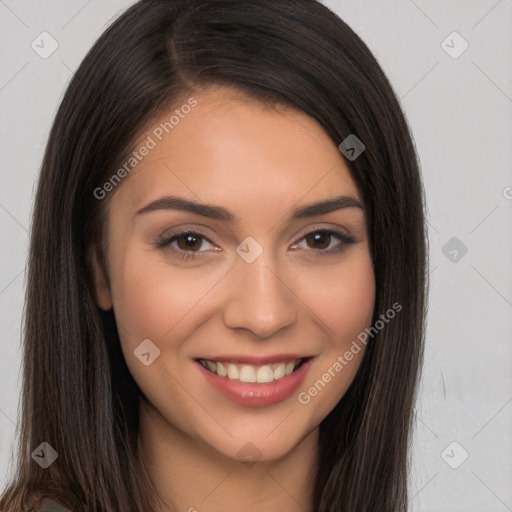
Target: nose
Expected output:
[260,299]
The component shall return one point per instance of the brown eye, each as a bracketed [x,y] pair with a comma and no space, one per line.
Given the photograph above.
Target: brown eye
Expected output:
[325,241]
[189,241]
[319,240]
[186,244]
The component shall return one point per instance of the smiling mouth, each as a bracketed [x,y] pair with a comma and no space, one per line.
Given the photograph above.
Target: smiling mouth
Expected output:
[252,373]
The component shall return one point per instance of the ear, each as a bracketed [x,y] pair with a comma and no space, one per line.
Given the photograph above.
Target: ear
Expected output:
[100,281]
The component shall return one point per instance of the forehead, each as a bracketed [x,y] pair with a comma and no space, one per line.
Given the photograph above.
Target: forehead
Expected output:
[233,150]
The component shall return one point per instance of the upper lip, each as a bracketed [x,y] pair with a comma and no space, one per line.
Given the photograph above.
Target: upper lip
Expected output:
[256,360]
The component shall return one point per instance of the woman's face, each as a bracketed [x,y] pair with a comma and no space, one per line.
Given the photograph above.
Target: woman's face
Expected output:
[255,284]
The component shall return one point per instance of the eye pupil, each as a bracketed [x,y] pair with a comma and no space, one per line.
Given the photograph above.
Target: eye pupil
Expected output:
[191,242]
[321,237]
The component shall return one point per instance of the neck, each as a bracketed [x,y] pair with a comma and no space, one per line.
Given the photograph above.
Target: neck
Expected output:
[191,476]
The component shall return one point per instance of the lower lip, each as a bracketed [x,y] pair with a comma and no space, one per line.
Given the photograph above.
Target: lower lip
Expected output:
[257,395]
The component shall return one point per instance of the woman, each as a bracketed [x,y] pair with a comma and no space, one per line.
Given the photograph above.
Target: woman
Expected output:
[227,284]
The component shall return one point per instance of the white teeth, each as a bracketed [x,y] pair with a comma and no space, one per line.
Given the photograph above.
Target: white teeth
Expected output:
[279,371]
[221,370]
[211,365]
[265,374]
[249,373]
[232,372]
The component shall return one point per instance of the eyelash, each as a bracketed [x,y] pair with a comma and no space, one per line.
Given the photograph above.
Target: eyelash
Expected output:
[165,242]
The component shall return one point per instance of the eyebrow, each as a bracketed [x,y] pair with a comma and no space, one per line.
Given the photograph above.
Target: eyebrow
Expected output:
[223,214]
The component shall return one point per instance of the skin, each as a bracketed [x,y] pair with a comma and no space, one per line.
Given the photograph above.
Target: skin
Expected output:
[260,163]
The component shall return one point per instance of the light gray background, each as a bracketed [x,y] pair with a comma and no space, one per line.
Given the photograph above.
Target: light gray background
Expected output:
[460,110]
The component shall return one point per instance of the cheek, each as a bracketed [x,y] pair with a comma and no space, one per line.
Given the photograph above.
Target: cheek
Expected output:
[350,312]
[151,299]
[345,299]
[155,300]
[143,305]
[356,303]
[345,306]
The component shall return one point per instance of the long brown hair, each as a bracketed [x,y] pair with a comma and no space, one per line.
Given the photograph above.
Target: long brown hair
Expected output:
[78,394]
